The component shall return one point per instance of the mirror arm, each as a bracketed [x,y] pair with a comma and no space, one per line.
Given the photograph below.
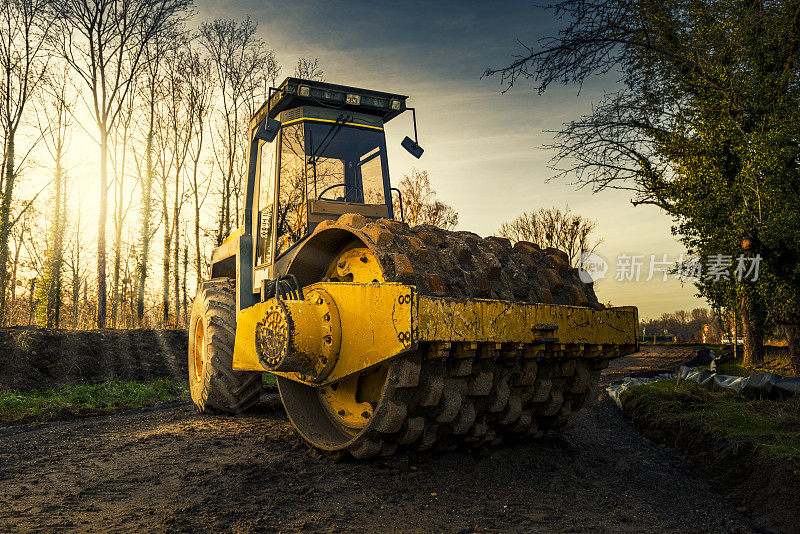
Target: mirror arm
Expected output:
[414,119]
[268,128]
[413,147]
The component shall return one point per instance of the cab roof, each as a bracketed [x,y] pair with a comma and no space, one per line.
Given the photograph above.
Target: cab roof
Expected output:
[295,92]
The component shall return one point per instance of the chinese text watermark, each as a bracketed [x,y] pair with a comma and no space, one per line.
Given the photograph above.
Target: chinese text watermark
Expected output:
[641,267]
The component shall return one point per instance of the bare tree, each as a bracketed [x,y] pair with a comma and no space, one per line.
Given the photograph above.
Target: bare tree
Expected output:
[56,103]
[552,227]
[29,258]
[119,155]
[18,236]
[151,93]
[25,26]
[421,205]
[180,131]
[75,266]
[242,64]
[104,42]
[309,69]
[165,160]
[185,271]
[199,98]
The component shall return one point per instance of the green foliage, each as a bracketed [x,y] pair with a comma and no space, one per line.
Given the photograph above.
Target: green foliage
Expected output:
[704,125]
[732,140]
[773,425]
[106,396]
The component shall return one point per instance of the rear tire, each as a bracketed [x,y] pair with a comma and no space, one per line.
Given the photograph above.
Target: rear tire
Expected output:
[214,385]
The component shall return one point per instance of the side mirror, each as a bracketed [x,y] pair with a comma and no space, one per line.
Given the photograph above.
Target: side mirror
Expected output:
[268,130]
[412,147]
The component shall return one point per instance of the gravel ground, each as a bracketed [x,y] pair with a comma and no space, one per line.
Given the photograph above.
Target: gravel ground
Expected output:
[170,469]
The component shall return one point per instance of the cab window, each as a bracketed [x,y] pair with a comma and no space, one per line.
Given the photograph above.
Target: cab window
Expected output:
[326,176]
[372,177]
[345,163]
[292,211]
[266,203]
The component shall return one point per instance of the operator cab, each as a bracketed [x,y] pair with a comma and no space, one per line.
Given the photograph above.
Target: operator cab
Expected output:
[323,163]
[321,153]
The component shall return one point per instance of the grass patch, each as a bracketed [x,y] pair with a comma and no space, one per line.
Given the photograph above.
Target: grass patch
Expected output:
[773,425]
[733,368]
[737,368]
[87,399]
[268,379]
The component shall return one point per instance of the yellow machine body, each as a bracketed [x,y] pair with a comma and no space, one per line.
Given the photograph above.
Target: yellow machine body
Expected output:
[381,334]
[379,321]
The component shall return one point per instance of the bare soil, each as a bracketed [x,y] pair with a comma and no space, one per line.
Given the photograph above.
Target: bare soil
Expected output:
[38,358]
[652,360]
[735,467]
[171,469]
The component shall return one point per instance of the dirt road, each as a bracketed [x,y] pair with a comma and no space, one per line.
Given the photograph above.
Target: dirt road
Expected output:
[171,469]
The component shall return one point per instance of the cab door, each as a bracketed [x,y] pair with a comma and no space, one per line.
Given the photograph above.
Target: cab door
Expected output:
[265,215]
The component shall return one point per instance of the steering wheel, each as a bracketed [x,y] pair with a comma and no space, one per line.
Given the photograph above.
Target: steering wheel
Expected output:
[319,197]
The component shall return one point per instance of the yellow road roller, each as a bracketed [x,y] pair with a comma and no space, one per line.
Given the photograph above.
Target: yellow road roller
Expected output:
[382,336]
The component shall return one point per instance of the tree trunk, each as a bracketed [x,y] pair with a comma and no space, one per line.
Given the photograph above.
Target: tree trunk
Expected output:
[14,274]
[185,299]
[228,191]
[221,227]
[31,302]
[76,271]
[76,294]
[117,305]
[58,300]
[793,341]
[177,250]
[751,310]
[176,275]
[117,259]
[115,300]
[147,190]
[167,250]
[197,223]
[5,221]
[52,283]
[101,230]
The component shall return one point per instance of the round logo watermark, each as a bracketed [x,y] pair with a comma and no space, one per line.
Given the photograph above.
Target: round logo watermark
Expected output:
[592,267]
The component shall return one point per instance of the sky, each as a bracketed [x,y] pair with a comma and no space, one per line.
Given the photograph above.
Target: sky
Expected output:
[483,148]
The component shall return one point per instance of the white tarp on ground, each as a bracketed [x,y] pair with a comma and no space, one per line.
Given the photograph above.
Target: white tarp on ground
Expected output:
[757,385]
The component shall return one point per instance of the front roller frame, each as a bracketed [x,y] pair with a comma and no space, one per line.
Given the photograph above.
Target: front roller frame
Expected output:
[377,322]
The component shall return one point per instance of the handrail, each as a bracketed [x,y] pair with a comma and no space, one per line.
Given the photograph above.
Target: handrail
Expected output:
[400,196]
